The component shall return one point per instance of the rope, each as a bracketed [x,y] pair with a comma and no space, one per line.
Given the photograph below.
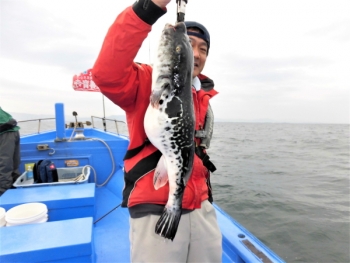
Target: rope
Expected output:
[113,164]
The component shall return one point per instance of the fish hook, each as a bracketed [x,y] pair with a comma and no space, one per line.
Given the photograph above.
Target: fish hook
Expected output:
[181,8]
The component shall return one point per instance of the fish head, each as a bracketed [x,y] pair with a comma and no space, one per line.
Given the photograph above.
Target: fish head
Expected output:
[181,49]
[173,67]
[180,54]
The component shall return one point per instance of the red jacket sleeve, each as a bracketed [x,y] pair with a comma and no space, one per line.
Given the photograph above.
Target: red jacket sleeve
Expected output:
[115,72]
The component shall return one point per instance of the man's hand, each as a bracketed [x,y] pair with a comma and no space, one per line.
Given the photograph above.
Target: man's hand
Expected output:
[161,3]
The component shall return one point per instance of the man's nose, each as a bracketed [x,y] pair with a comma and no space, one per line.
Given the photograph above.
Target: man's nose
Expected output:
[195,52]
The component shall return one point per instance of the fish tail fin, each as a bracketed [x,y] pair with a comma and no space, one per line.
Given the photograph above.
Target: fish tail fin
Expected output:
[168,223]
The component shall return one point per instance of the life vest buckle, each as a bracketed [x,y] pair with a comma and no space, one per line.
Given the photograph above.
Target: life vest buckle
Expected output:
[200,134]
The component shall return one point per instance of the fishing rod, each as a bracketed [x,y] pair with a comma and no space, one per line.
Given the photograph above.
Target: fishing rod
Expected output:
[181,8]
[107,213]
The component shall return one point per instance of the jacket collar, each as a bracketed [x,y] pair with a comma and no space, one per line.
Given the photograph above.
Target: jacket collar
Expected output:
[207,83]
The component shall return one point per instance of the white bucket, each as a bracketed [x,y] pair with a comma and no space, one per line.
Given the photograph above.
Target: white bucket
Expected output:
[26,214]
[40,220]
[2,217]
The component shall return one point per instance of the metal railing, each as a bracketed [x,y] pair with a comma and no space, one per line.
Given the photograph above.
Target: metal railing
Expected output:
[38,120]
[104,123]
[92,120]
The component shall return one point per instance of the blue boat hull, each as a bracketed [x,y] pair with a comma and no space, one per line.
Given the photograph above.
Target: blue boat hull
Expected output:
[86,223]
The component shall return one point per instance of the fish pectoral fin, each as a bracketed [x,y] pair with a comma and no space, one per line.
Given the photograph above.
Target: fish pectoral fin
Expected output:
[155,98]
[160,177]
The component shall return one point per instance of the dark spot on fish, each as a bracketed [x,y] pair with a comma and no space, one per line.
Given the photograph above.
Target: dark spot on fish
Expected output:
[174,121]
[167,128]
[173,107]
[161,102]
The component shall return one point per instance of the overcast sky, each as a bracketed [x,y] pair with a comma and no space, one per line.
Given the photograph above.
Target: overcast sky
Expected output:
[285,61]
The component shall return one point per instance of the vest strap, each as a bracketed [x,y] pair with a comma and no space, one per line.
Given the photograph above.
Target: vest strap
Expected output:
[133,152]
[205,159]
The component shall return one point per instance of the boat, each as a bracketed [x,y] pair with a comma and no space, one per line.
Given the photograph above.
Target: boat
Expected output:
[85,221]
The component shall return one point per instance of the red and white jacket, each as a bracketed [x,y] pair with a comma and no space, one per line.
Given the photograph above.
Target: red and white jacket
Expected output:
[128,84]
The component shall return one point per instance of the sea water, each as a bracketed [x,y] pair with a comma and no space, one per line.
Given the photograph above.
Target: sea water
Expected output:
[288,184]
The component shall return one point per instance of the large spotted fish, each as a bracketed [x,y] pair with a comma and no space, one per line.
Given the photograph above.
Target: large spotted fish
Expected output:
[169,121]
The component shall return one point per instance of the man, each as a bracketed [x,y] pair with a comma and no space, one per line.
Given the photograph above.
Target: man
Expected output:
[9,151]
[128,85]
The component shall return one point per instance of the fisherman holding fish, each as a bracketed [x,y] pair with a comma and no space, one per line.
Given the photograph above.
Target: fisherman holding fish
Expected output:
[170,122]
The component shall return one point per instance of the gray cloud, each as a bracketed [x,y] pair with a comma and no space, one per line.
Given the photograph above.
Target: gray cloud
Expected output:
[267,67]
[41,39]
[337,31]
[271,78]
[271,69]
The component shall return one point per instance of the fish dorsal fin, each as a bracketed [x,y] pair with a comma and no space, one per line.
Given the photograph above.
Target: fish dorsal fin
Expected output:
[160,177]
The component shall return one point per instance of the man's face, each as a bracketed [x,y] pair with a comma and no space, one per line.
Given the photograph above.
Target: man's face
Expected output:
[200,51]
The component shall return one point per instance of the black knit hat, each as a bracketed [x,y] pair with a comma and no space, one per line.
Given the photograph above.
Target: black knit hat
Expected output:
[204,35]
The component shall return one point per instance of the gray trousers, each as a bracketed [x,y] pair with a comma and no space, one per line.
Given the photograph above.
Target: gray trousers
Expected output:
[198,239]
[9,159]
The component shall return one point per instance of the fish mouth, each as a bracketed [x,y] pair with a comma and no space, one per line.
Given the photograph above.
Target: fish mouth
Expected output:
[170,26]
[179,26]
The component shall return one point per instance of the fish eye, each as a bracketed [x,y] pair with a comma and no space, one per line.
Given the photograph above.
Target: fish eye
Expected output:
[178,49]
